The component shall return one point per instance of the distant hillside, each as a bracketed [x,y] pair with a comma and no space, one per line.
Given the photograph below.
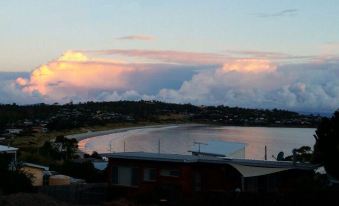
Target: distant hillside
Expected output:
[99,113]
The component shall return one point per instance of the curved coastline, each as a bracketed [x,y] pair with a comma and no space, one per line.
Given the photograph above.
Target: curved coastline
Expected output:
[114,139]
[90,134]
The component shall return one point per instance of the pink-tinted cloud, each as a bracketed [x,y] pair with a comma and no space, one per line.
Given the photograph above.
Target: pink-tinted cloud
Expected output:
[212,79]
[248,66]
[201,58]
[76,74]
[168,56]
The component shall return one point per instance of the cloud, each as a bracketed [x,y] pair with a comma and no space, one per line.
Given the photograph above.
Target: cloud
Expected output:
[272,56]
[137,37]
[167,56]
[298,87]
[282,13]
[75,76]
[199,58]
[11,93]
[182,77]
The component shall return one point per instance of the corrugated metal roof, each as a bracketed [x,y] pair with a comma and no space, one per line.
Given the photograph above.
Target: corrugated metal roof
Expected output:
[152,156]
[4,148]
[36,166]
[210,160]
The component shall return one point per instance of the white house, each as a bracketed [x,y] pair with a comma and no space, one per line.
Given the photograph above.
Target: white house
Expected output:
[9,150]
[14,131]
[219,149]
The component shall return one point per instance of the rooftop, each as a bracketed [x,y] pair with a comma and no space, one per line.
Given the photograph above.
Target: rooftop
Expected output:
[4,148]
[35,166]
[210,160]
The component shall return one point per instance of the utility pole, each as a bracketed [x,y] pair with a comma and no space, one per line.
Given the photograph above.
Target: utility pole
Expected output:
[159,146]
[265,152]
[199,143]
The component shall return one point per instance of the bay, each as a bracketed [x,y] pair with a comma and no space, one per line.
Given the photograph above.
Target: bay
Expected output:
[178,139]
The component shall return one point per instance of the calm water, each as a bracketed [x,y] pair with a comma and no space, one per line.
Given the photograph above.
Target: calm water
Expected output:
[179,139]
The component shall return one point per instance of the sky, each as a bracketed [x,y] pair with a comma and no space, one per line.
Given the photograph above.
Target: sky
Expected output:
[248,53]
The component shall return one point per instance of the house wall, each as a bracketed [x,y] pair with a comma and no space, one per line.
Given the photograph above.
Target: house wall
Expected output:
[35,174]
[204,177]
[192,177]
[284,181]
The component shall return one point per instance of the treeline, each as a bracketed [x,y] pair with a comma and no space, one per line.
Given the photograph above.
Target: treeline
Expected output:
[81,114]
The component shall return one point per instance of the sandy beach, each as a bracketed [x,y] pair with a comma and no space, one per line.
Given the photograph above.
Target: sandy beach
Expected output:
[89,134]
[117,136]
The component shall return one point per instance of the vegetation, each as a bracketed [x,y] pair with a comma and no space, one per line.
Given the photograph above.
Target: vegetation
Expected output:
[12,181]
[326,149]
[69,116]
[302,154]
[81,169]
[60,155]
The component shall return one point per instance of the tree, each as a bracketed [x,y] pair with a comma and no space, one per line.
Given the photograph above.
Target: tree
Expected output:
[12,181]
[69,145]
[83,170]
[302,154]
[326,148]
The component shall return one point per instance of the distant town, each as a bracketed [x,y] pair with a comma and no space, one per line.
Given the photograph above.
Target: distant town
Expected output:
[27,120]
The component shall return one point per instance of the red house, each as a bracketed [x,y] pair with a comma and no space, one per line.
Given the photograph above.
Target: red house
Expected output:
[139,173]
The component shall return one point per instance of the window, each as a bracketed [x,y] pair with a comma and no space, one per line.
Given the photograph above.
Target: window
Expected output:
[150,174]
[127,176]
[115,175]
[170,172]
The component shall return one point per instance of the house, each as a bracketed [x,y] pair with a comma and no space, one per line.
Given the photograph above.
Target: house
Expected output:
[14,131]
[139,173]
[9,150]
[37,173]
[219,149]
[39,129]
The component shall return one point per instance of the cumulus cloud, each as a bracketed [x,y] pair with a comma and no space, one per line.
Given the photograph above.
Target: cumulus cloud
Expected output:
[138,37]
[299,87]
[10,92]
[75,76]
[182,77]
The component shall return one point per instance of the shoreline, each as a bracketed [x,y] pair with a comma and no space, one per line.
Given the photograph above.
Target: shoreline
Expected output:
[90,134]
[81,136]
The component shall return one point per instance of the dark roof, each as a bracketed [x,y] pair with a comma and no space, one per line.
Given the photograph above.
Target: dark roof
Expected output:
[210,160]
[35,166]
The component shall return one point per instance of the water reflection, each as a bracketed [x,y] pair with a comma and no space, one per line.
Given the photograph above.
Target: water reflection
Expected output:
[179,139]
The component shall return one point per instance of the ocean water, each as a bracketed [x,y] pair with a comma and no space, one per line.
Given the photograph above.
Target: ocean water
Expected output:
[179,139]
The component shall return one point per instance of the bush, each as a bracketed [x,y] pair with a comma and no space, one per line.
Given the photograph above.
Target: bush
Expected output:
[83,170]
[12,181]
[326,149]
